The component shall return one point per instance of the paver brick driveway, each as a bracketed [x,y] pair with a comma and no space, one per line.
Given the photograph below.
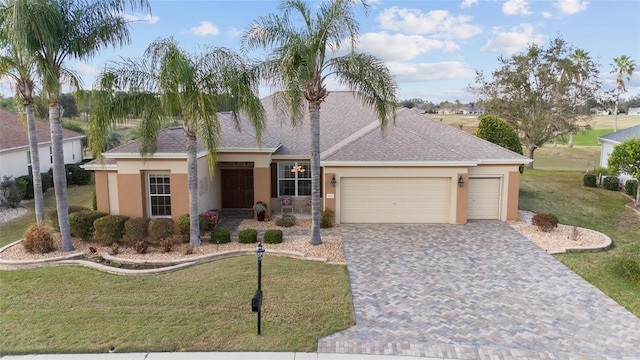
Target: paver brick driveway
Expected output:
[474,291]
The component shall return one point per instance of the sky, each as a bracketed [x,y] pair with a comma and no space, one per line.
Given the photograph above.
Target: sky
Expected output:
[433,48]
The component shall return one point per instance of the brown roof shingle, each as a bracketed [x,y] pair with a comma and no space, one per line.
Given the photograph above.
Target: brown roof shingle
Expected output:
[13,134]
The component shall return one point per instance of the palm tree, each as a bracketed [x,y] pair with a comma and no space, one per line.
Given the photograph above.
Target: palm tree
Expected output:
[52,31]
[170,82]
[622,65]
[19,69]
[300,62]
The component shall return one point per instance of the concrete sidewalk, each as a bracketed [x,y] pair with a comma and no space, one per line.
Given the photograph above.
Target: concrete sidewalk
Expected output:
[209,356]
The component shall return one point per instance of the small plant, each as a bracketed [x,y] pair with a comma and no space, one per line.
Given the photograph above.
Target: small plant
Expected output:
[631,187]
[260,207]
[247,236]
[220,236]
[575,233]
[326,219]
[115,247]
[166,245]
[160,228]
[611,183]
[13,190]
[38,239]
[212,217]
[134,230]
[600,171]
[589,180]
[287,220]
[545,222]
[273,236]
[184,224]
[630,261]
[188,250]
[141,247]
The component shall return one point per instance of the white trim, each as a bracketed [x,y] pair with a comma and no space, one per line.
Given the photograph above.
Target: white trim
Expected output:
[99,166]
[42,143]
[291,157]
[399,163]
[148,192]
[504,161]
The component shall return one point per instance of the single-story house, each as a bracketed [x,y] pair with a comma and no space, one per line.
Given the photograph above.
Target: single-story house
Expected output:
[418,171]
[15,155]
[610,140]
[634,111]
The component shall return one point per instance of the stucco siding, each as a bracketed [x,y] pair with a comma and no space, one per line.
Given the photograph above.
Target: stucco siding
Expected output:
[15,162]
[206,186]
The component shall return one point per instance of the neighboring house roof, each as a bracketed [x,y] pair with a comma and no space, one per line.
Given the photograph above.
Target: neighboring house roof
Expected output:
[13,134]
[622,135]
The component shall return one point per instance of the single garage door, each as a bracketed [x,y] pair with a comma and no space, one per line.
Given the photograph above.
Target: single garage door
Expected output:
[484,199]
[394,200]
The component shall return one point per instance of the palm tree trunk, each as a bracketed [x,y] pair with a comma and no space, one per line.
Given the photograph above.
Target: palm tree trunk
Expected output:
[60,175]
[314,113]
[35,163]
[192,183]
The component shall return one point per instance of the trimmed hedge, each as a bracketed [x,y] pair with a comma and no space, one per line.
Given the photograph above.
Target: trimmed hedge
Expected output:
[631,187]
[184,224]
[160,228]
[499,132]
[545,222]
[611,183]
[135,230]
[273,236]
[220,236]
[53,214]
[589,180]
[248,236]
[47,183]
[108,229]
[630,260]
[82,223]
[77,175]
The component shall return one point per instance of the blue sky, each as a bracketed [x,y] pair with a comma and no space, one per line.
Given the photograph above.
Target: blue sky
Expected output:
[433,48]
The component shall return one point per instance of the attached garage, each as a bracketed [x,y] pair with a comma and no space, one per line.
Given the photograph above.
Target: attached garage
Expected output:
[395,200]
[484,198]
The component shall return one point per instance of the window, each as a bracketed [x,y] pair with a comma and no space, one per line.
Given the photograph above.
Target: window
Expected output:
[159,195]
[294,179]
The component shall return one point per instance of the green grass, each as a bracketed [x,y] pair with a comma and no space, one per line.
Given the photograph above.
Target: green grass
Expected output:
[561,193]
[577,158]
[204,308]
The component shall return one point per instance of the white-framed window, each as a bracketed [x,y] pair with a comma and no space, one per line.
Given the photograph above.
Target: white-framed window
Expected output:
[294,179]
[159,186]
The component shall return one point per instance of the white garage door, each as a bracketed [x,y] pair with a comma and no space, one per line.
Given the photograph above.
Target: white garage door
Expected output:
[394,200]
[484,198]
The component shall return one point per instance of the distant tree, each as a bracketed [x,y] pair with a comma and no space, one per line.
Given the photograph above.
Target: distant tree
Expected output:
[68,103]
[634,102]
[497,131]
[625,157]
[7,104]
[536,92]
[623,67]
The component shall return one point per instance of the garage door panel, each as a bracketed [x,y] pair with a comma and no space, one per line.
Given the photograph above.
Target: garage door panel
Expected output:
[394,200]
[484,199]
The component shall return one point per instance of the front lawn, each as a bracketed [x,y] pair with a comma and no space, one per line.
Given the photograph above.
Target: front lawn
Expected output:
[561,193]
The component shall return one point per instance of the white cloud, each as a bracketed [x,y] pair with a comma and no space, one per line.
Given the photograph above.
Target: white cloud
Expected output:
[571,6]
[86,69]
[468,3]
[512,40]
[547,14]
[516,7]
[148,18]
[447,70]
[437,22]
[400,47]
[234,32]
[206,28]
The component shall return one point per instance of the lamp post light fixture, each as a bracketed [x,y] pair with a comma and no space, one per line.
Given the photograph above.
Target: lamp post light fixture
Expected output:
[333,181]
[460,181]
[256,302]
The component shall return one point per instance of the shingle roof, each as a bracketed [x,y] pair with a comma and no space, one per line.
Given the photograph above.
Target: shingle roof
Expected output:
[622,135]
[13,133]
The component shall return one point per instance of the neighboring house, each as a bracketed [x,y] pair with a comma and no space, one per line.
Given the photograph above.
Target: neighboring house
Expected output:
[419,171]
[15,156]
[610,140]
[634,111]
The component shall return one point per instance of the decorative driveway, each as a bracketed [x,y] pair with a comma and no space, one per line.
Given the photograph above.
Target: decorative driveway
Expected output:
[474,291]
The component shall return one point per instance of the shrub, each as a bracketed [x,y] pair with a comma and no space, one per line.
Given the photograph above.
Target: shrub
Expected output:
[499,132]
[13,190]
[220,236]
[77,175]
[115,247]
[82,223]
[160,228]
[599,171]
[273,236]
[108,229]
[53,214]
[287,220]
[212,218]
[166,244]
[46,180]
[611,183]
[247,236]
[134,230]
[141,246]
[631,187]
[326,219]
[38,239]
[545,222]
[589,180]
[184,224]
[630,260]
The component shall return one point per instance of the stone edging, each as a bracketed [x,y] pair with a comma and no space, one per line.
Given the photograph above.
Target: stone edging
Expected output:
[602,247]
[178,264]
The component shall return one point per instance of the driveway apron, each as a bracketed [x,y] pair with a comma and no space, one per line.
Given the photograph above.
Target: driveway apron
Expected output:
[474,291]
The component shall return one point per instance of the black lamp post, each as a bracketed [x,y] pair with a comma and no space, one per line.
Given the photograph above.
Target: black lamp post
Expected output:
[256,302]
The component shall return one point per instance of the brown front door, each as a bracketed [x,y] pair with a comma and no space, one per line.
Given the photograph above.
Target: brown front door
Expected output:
[237,188]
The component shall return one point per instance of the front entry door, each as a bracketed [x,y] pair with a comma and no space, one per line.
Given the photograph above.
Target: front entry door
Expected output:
[237,188]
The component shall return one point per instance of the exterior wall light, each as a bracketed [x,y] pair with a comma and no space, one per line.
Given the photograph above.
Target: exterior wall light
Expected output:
[460,181]
[333,181]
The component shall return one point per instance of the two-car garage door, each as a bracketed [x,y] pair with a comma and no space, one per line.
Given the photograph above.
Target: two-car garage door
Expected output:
[395,200]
